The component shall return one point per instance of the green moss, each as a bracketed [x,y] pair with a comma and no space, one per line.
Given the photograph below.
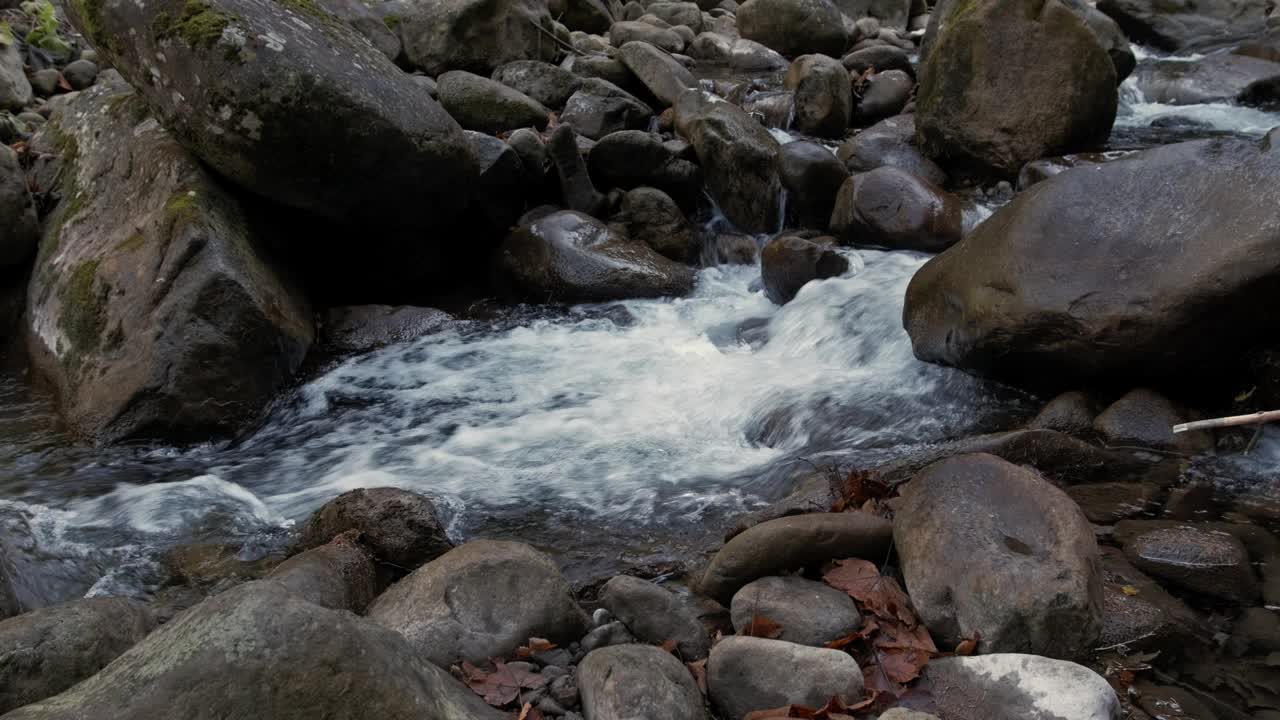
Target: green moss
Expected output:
[392,22]
[181,206]
[83,314]
[200,25]
[90,13]
[133,242]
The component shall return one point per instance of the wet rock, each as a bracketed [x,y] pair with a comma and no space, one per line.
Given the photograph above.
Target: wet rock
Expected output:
[19,226]
[599,108]
[794,27]
[1009,312]
[992,548]
[475,35]
[360,17]
[890,142]
[1009,686]
[152,308]
[199,666]
[789,262]
[895,209]
[1136,612]
[1146,418]
[616,681]
[578,191]
[80,74]
[812,177]
[750,56]
[823,95]
[770,108]
[48,650]
[655,615]
[809,612]
[15,89]
[660,73]
[1070,412]
[1199,559]
[503,180]
[400,527]
[572,257]
[886,13]
[879,59]
[634,30]
[604,67]
[1108,32]
[1171,703]
[338,575]
[737,156]
[886,94]
[1106,503]
[235,80]
[533,154]
[1257,630]
[588,16]
[481,104]
[479,601]
[810,492]
[653,218]
[1177,27]
[361,328]
[981,107]
[543,82]
[732,249]
[790,543]
[607,635]
[678,13]
[633,158]
[1045,168]
[1213,78]
[711,47]
[745,674]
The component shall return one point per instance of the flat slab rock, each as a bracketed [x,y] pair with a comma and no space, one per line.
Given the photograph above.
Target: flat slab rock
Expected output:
[1011,686]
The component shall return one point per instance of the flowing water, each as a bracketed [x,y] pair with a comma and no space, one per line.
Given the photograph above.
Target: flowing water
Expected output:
[607,434]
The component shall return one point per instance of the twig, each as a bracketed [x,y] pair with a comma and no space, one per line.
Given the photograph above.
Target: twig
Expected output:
[1257,418]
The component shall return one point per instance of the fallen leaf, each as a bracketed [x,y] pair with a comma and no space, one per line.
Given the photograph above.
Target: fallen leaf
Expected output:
[902,666]
[864,583]
[502,686]
[529,712]
[859,488]
[63,84]
[1129,590]
[670,646]
[969,646]
[762,627]
[533,647]
[699,671]
[781,712]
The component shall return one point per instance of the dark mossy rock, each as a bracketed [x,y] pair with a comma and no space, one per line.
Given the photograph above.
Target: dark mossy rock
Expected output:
[1182,25]
[152,307]
[476,35]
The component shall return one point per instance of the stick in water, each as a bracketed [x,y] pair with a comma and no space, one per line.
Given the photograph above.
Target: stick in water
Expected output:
[1257,418]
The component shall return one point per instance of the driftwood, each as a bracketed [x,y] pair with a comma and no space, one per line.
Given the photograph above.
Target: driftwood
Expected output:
[1257,418]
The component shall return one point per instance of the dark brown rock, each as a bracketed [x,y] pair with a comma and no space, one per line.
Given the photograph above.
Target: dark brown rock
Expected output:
[398,526]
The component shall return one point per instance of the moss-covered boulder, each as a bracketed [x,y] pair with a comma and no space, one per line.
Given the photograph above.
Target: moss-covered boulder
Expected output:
[150,307]
[1009,81]
[288,101]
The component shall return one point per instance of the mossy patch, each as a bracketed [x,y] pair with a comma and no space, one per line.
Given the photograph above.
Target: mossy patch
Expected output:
[90,12]
[181,207]
[199,25]
[84,313]
[131,243]
[392,22]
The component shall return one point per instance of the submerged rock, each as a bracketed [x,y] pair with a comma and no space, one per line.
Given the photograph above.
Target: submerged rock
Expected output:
[789,262]
[1136,612]
[1146,418]
[1010,686]
[745,674]
[617,682]
[152,307]
[399,526]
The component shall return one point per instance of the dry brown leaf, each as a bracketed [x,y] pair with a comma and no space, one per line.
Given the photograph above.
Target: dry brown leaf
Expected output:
[502,686]
[698,669]
[762,627]
[529,712]
[533,647]
[969,646]
[670,646]
[881,595]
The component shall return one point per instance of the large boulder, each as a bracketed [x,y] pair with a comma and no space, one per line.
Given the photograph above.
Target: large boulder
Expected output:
[19,227]
[479,601]
[890,142]
[745,674]
[789,262]
[794,27]
[655,615]
[737,155]
[1213,78]
[262,91]
[258,650]
[571,256]
[791,543]
[152,307]
[485,105]
[46,651]
[999,301]
[631,681]
[399,526]
[1012,686]
[1013,80]
[1183,24]
[476,35]
[358,15]
[823,95]
[992,549]
[892,208]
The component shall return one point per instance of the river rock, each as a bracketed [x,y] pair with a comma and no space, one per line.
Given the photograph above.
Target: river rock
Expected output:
[475,35]
[572,257]
[481,600]
[885,95]
[812,177]
[1203,560]
[890,142]
[823,95]
[1010,686]
[678,13]
[545,83]
[630,159]
[1070,412]
[789,262]
[887,13]
[809,612]
[794,27]
[360,17]
[655,615]
[636,31]
[599,108]
[737,156]
[617,682]
[1108,32]
[1009,311]
[1211,79]
[361,328]
[587,16]
[576,188]
[19,226]
[1180,26]
[992,548]
[151,307]
[504,181]
[237,81]
[895,209]
[745,674]
[48,650]
[711,47]
[878,59]
[749,56]
[1146,418]
[481,104]
[1136,612]
[80,74]
[15,89]
[339,575]
[1106,503]
[45,82]
[1011,81]
[791,543]
[1045,168]
[665,78]
[9,605]
[210,663]
[653,218]
[400,527]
